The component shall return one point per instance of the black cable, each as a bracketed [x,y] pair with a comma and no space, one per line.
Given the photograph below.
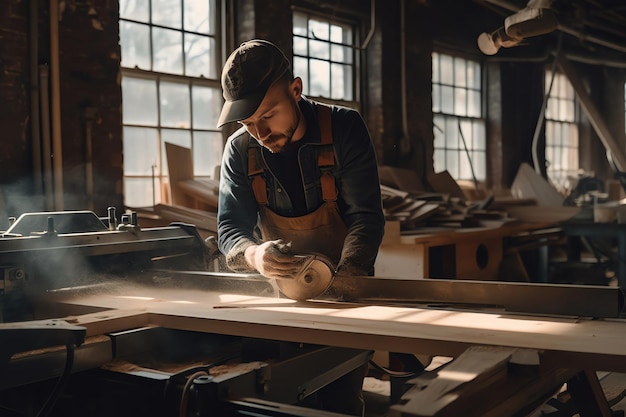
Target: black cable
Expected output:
[61,383]
[182,411]
[389,372]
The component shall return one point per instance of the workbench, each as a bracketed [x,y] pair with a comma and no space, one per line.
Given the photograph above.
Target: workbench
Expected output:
[459,252]
[567,347]
[133,284]
[575,230]
[598,344]
[562,347]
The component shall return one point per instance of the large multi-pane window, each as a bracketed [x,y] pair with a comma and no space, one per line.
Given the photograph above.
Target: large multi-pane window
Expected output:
[561,131]
[170,92]
[323,56]
[459,125]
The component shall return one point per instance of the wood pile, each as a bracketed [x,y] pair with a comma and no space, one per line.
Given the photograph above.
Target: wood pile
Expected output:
[191,200]
[200,218]
[430,209]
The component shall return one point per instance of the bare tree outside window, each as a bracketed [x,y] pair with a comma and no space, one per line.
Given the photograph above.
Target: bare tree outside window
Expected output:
[324,57]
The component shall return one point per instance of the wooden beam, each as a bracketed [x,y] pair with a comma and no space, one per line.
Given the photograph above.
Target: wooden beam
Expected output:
[565,341]
[592,112]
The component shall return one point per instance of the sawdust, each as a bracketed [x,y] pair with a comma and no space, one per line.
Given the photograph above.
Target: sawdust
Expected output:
[235,368]
[123,366]
[343,288]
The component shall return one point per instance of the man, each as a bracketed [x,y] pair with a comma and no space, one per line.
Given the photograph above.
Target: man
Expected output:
[298,177]
[278,174]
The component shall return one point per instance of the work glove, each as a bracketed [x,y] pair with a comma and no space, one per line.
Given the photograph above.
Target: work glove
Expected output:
[273,259]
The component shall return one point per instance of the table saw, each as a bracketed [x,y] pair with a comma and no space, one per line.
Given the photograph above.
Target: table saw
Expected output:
[102,317]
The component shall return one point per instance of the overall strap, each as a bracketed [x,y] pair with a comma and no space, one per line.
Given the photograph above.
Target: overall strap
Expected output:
[255,170]
[325,161]
[326,157]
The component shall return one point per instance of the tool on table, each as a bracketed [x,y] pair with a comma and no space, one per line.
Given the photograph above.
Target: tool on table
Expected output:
[314,278]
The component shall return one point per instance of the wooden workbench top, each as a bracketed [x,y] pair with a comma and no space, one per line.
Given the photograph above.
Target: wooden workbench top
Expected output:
[440,236]
[600,344]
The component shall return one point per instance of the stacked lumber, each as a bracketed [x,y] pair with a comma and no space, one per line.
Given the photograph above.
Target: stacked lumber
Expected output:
[193,200]
[204,192]
[202,219]
[185,189]
[414,210]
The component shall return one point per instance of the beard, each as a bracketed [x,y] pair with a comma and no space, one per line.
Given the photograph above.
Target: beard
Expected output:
[281,142]
[278,143]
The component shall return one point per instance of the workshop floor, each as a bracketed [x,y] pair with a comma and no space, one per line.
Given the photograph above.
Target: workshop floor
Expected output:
[377,394]
[377,391]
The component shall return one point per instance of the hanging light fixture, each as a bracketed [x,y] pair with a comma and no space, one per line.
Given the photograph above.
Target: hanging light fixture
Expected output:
[537,18]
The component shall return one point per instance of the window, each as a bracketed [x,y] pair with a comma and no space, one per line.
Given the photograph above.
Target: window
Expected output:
[561,131]
[170,92]
[323,56]
[459,126]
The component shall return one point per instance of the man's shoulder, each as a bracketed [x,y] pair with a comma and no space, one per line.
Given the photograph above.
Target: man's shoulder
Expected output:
[339,112]
[238,138]
[345,112]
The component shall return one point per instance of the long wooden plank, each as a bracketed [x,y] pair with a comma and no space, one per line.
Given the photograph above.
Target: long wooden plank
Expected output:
[476,369]
[596,344]
[180,168]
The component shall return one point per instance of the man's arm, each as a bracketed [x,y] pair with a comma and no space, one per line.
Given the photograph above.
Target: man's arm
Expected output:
[237,208]
[359,198]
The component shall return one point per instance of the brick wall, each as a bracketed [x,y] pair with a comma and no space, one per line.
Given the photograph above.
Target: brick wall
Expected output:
[89,83]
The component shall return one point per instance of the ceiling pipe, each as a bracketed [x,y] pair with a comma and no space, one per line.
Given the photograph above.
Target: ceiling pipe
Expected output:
[404,142]
[368,38]
[46,144]
[34,96]
[57,149]
[594,114]
[565,29]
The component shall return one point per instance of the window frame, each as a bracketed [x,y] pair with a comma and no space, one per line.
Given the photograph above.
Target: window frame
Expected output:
[559,177]
[159,177]
[477,120]
[355,51]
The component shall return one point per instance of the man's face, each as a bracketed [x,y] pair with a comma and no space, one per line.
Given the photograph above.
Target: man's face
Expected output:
[277,121]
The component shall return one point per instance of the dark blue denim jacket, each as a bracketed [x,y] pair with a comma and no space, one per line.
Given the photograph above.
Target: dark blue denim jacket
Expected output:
[356,178]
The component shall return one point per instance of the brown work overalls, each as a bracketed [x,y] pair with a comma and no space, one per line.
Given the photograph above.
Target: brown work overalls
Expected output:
[321,231]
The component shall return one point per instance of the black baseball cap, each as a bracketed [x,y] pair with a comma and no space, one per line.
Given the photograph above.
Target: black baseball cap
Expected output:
[247,75]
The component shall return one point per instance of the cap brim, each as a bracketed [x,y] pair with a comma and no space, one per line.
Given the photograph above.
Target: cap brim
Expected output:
[236,110]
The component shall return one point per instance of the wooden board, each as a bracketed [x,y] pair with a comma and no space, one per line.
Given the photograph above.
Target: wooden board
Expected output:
[180,168]
[479,367]
[203,220]
[566,341]
[205,191]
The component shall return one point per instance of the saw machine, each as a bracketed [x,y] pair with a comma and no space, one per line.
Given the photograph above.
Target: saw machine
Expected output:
[50,366]
[101,317]
[48,251]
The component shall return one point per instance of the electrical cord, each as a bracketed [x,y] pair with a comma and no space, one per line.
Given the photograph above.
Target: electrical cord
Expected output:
[61,383]
[395,374]
[184,400]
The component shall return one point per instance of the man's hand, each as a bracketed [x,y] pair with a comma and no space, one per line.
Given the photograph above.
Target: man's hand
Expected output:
[273,259]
